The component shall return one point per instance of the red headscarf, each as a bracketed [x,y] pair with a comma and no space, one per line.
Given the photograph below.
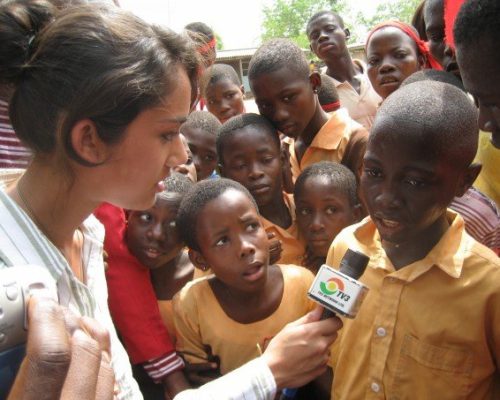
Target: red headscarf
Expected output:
[451,9]
[423,49]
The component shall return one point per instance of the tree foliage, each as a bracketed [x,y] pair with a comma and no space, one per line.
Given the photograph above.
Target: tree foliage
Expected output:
[401,10]
[288,18]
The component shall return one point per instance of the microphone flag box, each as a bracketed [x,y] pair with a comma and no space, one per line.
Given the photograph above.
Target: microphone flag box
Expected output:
[337,292]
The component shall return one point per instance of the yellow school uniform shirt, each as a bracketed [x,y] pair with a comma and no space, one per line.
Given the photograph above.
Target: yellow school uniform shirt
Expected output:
[200,321]
[488,180]
[430,330]
[293,248]
[362,106]
[329,143]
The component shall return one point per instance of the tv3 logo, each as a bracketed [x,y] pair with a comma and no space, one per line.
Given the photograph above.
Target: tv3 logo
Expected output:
[334,287]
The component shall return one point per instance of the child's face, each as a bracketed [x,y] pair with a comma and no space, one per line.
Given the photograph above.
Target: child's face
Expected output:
[392,57]
[322,212]
[188,168]
[252,158]
[202,146]
[405,187]
[327,38]
[151,234]
[434,28]
[481,78]
[224,99]
[286,99]
[232,242]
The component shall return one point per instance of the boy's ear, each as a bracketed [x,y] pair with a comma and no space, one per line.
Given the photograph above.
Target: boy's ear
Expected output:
[315,80]
[86,142]
[198,260]
[468,178]
[347,34]
[242,88]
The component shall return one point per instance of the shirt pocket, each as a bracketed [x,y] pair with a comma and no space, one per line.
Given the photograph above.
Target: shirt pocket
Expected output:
[426,371]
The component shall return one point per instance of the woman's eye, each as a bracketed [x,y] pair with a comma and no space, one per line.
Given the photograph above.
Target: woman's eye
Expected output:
[415,182]
[303,211]
[145,217]
[252,226]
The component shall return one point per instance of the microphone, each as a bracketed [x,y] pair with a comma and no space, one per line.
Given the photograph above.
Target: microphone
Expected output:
[338,291]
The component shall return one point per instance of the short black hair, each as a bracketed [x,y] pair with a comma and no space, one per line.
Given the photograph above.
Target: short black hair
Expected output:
[434,75]
[340,176]
[320,14]
[196,199]
[327,92]
[201,29]
[276,54]
[217,72]
[202,120]
[436,114]
[177,183]
[238,122]
[476,20]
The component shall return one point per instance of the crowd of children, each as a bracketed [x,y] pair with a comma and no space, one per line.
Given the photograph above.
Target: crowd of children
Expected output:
[393,158]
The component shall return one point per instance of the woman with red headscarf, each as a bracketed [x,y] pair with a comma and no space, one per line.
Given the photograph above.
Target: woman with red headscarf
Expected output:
[395,51]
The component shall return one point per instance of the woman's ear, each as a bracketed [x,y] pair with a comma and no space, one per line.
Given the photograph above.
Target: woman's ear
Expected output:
[421,62]
[87,144]
[198,260]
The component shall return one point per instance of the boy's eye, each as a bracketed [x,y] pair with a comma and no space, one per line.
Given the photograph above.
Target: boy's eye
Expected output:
[330,210]
[145,217]
[209,157]
[222,241]
[268,160]
[415,182]
[288,98]
[373,172]
[303,211]
[373,61]
[253,226]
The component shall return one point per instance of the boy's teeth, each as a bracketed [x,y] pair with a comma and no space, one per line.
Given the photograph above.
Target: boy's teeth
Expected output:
[389,223]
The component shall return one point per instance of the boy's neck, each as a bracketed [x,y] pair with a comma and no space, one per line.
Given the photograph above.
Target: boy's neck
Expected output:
[277,212]
[343,69]
[168,279]
[404,254]
[247,308]
[305,139]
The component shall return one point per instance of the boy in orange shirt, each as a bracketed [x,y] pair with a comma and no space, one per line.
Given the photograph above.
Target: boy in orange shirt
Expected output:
[430,325]
[286,93]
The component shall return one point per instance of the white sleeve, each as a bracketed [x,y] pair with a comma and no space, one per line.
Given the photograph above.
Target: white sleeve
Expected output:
[252,381]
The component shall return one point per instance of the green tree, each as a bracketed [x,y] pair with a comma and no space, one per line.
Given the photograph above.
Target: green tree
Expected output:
[288,18]
[220,43]
[401,10]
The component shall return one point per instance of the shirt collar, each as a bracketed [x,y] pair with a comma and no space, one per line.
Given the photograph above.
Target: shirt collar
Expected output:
[448,254]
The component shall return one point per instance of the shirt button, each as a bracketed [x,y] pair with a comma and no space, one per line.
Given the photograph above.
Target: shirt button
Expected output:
[381,332]
[375,387]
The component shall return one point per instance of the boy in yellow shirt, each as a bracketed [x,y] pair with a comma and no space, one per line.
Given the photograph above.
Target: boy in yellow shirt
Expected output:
[430,325]
[233,313]
[248,147]
[286,93]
